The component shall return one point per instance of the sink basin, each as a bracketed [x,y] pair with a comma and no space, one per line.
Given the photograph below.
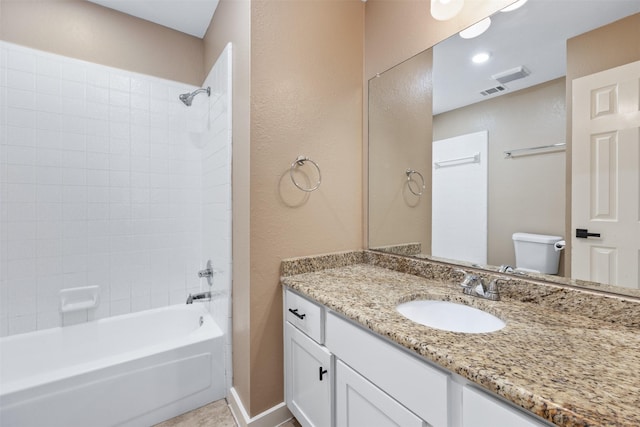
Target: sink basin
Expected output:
[450,316]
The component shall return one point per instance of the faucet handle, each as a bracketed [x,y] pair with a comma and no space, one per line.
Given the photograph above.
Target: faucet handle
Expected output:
[506,269]
[469,279]
[493,290]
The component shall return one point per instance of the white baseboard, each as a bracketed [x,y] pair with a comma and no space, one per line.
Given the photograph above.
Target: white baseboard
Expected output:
[272,417]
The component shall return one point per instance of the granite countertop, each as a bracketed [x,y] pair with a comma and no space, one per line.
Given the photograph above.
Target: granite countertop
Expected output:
[570,369]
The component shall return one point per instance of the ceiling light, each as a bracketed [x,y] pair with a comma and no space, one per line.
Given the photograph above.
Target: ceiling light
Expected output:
[514,6]
[476,29]
[480,58]
[443,10]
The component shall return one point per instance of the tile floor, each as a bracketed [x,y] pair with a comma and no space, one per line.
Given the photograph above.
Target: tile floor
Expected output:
[216,414]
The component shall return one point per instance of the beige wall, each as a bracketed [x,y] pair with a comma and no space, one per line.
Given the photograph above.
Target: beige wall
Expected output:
[306,99]
[231,23]
[526,194]
[83,30]
[399,118]
[598,50]
[396,30]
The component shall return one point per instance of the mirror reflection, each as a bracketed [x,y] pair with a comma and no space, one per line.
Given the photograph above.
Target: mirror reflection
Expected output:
[491,142]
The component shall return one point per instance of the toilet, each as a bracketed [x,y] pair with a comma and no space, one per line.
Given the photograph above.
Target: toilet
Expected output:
[537,253]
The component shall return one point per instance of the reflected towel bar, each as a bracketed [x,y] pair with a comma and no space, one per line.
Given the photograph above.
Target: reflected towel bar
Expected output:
[535,150]
[455,162]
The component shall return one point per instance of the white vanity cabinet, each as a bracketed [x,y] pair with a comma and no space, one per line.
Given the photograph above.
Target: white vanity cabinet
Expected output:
[338,373]
[308,364]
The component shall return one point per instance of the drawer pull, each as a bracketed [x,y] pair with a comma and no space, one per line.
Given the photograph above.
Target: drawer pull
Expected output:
[321,372]
[295,313]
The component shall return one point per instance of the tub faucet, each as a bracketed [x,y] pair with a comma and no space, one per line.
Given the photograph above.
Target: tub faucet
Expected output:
[198,296]
[207,272]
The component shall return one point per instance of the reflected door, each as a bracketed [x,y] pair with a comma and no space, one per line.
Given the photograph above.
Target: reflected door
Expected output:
[606,178]
[459,198]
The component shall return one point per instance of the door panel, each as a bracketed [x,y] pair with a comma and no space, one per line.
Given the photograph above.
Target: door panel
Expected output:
[605,176]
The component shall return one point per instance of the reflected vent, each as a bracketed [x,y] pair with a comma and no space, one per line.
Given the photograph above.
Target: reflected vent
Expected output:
[493,90]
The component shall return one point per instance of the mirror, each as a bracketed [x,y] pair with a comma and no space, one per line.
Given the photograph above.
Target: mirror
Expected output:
[518,98]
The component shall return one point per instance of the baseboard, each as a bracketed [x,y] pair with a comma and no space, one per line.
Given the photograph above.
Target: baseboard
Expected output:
[272,417]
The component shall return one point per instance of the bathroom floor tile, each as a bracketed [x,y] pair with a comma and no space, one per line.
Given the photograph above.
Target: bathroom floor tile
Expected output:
[216,414]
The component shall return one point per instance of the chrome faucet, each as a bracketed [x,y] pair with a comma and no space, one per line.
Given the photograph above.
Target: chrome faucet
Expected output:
[506,269]
[474,285]
[198,296]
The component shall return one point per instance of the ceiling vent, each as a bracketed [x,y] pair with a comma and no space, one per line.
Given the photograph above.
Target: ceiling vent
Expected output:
[511,75]
[493,90]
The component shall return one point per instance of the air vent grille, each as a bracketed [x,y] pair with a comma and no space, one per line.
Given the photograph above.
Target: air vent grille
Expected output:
[493,90]
[511,75]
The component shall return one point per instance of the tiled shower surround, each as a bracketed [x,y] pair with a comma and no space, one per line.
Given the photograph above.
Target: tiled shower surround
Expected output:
[108,179]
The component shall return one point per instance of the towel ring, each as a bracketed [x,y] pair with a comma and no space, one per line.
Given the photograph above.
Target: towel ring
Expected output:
[409,173]
[299,162]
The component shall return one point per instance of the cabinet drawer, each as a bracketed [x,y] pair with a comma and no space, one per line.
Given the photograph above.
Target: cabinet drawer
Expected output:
[305,315]
[418,386]
[482,410]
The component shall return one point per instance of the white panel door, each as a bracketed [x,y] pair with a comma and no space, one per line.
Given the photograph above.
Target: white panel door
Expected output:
[459,198]
[308,379]
[605,176]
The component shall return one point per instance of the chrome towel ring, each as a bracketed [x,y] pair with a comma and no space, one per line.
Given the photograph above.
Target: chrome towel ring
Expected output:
[410,173]
[299,162]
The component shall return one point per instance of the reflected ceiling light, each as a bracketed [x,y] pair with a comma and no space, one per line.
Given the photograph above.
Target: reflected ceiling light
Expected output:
[476,29]
[443,10]
[514,6]
[480,58]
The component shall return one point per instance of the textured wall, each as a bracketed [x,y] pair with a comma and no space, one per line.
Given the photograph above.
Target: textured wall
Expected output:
[399,119]
[84,30]
[306,98]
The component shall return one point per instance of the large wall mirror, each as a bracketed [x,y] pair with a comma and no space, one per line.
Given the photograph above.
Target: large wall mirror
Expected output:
[464,154]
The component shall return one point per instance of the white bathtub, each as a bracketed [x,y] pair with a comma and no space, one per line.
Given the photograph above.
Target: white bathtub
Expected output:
[131,370]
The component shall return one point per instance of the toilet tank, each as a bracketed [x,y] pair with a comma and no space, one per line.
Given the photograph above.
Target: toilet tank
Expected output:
[536,252]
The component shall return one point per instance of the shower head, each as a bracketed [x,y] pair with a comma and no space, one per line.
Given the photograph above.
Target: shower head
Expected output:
[187,98]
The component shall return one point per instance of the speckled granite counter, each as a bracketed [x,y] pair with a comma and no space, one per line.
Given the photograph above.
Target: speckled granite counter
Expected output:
[571,369]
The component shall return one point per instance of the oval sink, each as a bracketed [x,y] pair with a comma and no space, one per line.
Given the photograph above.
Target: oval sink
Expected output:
[450,316]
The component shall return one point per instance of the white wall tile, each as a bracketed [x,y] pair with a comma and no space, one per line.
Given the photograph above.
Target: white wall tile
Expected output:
[105,187]
[19,79]
[21,136]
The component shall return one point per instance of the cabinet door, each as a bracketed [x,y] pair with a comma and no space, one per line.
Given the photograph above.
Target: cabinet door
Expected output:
[308,379]
[481,410]
[361,404]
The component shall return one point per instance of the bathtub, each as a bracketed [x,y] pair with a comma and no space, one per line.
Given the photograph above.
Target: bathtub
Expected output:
[131,370]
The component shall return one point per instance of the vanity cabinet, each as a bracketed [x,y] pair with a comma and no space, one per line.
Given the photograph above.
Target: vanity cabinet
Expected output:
[308,364]
[414,383]
[359,403]
[338,373]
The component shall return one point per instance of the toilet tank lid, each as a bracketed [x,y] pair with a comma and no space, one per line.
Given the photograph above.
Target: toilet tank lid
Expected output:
[536,238]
